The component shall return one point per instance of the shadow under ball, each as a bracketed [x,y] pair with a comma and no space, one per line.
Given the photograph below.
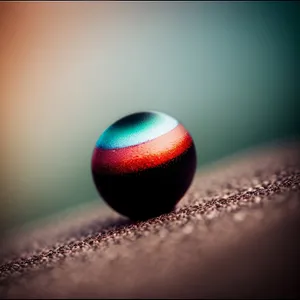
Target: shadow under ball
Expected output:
[143,164]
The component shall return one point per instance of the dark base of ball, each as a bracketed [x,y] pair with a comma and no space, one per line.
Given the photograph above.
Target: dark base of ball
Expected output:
[150,193]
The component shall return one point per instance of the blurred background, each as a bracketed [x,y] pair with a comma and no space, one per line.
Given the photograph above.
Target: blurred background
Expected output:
[227,70]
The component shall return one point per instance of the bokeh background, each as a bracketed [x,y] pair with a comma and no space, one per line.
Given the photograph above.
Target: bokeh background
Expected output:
[227,70]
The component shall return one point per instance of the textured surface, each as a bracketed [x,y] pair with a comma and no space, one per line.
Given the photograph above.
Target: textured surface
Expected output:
[235,234]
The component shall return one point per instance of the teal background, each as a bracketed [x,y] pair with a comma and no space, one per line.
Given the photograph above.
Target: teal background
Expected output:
[227,70]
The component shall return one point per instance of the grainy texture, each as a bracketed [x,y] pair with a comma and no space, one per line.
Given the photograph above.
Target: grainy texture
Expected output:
[234,234]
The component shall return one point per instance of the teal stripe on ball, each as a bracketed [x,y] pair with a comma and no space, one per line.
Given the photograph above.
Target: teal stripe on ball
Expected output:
[136,129]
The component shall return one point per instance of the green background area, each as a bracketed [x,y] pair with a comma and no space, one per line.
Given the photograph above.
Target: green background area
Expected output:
[227,70]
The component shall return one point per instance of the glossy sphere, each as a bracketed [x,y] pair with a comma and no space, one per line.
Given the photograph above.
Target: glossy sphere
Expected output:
[143,164]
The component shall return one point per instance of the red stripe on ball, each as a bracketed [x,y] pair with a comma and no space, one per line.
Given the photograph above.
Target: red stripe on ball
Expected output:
[144,156]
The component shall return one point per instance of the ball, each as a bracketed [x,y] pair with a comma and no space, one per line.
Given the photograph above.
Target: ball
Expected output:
[143,164]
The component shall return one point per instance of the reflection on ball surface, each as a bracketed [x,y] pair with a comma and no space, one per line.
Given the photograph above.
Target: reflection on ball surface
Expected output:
[143,164]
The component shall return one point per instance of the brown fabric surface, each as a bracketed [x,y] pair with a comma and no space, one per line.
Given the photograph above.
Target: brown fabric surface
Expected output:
[234,234]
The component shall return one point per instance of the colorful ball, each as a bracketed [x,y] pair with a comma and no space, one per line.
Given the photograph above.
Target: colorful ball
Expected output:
[143,164]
